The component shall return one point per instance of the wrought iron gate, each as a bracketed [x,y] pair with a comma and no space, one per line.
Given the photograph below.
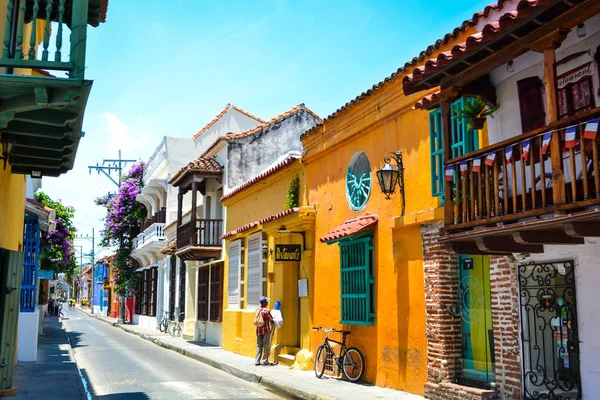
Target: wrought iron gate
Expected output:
[549,338]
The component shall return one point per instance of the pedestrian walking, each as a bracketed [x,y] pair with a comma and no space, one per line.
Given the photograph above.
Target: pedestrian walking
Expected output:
[263,320]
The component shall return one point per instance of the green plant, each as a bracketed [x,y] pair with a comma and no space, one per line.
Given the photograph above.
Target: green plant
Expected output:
[473,110]
[293,194]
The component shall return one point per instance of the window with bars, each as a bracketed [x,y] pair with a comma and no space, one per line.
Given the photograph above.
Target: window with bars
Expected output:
[216,292]
[138,293]
[172,285]
[153,291]
[234,252]
[31,253]
[203,286]
[182,280]
[144,295]
[255,269]
[357,281]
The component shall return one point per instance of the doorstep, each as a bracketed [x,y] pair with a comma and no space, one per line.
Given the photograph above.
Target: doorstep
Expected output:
[294,383]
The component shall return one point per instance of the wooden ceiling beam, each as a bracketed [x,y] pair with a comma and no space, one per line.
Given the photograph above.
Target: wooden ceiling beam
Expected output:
[506,244]
[545,236]
[470,247]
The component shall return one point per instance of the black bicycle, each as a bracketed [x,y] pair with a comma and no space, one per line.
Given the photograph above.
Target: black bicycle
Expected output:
[350,359]
[164,322]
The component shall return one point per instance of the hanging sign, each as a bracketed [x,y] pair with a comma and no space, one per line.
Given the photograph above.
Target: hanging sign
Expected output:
[288,252]
[303,288]
[575,75]
[44,274]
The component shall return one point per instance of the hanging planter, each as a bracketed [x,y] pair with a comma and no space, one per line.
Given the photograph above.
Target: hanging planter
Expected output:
[474,113]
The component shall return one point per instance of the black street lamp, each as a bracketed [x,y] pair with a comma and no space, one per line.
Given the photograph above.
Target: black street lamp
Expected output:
[392,174]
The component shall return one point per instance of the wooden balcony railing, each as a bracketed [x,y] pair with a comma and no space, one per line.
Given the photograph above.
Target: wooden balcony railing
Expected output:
[19,51]
[206,233]
[514,179]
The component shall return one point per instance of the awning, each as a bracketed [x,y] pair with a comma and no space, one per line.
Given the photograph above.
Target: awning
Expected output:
[350,227]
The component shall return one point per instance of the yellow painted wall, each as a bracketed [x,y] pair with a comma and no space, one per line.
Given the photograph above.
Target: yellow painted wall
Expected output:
[395,347]
[12,206]
[261,200]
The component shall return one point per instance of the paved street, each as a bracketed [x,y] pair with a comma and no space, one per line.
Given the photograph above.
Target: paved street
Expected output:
[117,365]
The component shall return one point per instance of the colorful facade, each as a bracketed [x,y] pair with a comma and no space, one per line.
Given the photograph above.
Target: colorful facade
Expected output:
[259,231]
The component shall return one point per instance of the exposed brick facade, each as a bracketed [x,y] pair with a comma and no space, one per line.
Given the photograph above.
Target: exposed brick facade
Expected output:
[444,338]
[504,287]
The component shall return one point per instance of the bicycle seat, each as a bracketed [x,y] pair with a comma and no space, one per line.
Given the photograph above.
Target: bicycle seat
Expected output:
[345,332]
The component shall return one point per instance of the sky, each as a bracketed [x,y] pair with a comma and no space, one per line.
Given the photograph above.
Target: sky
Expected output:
[167,68]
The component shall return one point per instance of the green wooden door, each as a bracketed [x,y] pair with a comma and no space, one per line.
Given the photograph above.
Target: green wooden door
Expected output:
[11,264]
[357,281]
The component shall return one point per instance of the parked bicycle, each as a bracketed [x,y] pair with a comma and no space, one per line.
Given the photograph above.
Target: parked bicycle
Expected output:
[349,359]
[175,327]
[164,322]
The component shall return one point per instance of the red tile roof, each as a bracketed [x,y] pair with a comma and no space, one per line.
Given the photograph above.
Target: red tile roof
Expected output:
[200,164]
[500,25]
[448,37]
[169,248]
[428,101]
[264,125]
[350,227]
[103,10]
[289,160]
[223,112]
[254,224]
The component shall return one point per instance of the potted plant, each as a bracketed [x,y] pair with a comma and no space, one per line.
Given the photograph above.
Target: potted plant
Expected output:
[474,113]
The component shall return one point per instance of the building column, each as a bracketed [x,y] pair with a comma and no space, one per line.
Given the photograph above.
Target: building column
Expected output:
[191,296]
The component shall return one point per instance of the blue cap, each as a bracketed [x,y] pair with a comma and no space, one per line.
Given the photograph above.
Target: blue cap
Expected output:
[264,299]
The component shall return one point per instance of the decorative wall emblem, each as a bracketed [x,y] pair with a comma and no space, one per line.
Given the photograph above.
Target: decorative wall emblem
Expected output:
[358,181]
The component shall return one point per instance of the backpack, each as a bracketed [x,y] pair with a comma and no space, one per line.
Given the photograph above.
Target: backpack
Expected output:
[259,320]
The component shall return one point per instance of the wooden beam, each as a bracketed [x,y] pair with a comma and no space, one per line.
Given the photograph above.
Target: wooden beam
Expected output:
[582,229]
[47,117]
[470,248]
[506,244]
[19,128]
[566,20]
[546,236]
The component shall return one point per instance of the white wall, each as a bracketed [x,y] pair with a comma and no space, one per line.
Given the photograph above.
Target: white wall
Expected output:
[232,121]
[507,120]
[28,336]
[587,285]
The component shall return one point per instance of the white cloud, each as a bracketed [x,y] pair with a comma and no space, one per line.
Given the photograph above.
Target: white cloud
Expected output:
[119,136]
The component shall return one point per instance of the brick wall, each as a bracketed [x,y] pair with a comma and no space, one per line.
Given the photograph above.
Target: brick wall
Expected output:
[504,287]
[441,292]
[441,271]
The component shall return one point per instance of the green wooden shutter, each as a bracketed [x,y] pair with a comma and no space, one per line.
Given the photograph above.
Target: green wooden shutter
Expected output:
[11,274]
[357,281]
[463,141]
[437,152]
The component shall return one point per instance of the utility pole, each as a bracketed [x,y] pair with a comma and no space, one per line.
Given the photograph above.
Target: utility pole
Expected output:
[107,167]
[92,256]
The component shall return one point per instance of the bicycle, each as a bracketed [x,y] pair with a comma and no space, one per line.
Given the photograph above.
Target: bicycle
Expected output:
[350,360]
[175,327]
[164,322]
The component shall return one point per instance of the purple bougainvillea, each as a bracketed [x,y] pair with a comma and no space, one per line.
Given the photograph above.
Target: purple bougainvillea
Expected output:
[122,224]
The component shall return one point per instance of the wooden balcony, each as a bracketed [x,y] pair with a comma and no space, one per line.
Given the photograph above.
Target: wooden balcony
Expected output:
[41,114]
[201,241]
[547,193]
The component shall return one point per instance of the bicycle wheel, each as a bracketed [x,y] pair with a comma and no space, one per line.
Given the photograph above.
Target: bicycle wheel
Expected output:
[164,325]
[353,364]
[320,360]
[175,329]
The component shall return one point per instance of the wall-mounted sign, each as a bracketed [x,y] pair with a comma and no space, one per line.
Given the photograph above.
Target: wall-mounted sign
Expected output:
[468,263]
[288,252]
[43,274]
[303,288]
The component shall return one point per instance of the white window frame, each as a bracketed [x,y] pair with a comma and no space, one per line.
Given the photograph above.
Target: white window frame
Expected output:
[234,251]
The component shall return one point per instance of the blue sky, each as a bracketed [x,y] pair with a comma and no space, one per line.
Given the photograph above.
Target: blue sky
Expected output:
[166,68]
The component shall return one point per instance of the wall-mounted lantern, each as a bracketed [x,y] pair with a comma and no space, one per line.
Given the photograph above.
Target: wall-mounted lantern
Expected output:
[265,250]
[392,174]
[7,148]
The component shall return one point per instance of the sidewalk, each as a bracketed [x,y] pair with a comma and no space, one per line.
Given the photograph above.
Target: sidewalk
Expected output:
[54,376]
[297,384]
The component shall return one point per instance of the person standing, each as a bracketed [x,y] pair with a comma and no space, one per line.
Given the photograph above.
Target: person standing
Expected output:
[263,333]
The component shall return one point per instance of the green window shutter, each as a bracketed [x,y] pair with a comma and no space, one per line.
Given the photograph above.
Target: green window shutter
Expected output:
[463,141]
[437,152]
[357,281]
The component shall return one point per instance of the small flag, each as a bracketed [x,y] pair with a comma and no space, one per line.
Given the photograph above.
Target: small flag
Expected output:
[449,173]
[591,129]
[546,142]
[570,137]
[526,148]
[476,165]
[464,168]
[508,153]
[489,159]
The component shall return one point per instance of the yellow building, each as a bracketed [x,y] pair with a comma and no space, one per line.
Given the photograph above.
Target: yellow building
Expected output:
[269,253]
[370,252]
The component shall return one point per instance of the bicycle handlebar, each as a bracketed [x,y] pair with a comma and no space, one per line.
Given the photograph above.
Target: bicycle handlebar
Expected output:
[320,328]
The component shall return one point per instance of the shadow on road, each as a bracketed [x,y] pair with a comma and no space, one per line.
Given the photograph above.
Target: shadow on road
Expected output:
[114,396]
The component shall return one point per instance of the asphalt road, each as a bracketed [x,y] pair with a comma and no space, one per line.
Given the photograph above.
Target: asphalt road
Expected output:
[117,365]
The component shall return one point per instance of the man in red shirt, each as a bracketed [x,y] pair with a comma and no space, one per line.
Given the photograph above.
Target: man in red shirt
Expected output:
[263,335]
